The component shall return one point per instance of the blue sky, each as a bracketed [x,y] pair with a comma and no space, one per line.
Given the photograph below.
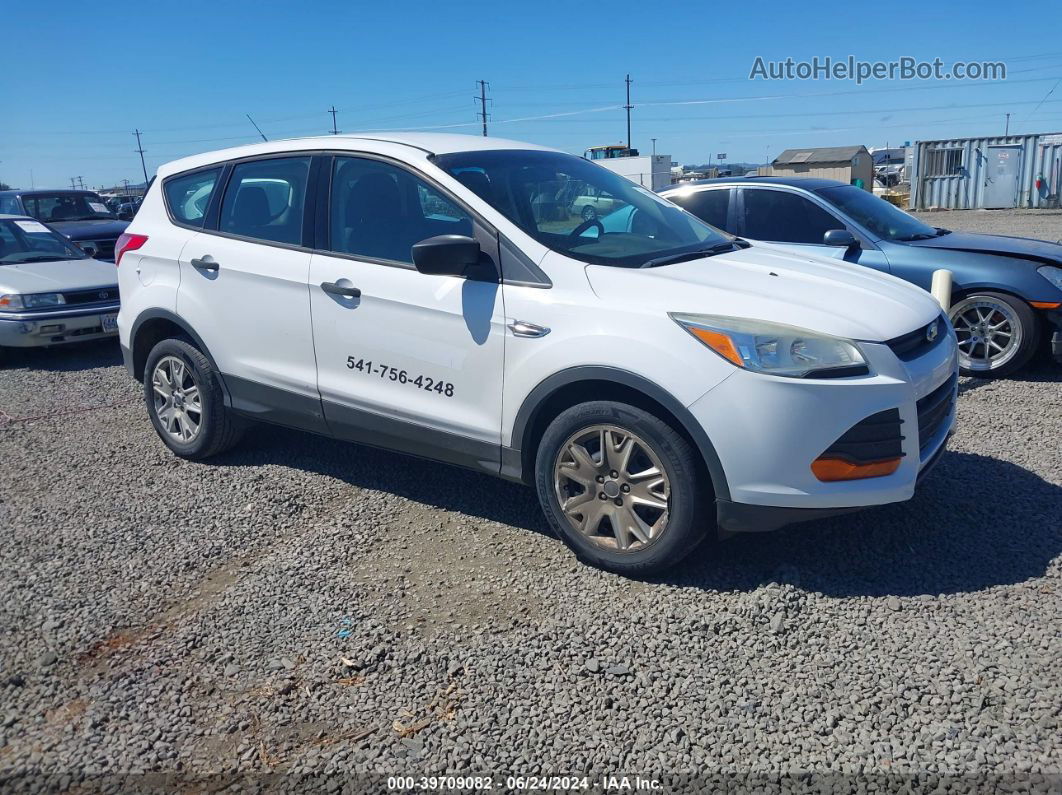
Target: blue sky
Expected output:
[79,77]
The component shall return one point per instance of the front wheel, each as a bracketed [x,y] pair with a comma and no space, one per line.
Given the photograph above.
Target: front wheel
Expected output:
[184,399]
[589,213]
[621,488]
[996,333]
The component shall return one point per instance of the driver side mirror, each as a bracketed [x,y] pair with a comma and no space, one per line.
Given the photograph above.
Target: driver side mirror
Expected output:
[448,255]
[841,238]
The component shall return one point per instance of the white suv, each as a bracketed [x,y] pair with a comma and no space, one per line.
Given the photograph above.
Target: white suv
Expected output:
[656,384]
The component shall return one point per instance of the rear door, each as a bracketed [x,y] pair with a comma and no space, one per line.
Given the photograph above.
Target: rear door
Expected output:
[244,289]
[711,205]
[405,360]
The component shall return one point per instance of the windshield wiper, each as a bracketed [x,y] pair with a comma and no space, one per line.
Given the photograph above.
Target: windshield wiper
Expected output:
[38,258]
[918,236]
[719,248]
[941,231]
[92,218]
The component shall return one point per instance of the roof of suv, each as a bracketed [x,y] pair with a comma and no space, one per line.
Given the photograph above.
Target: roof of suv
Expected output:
[807,183]
[428,143]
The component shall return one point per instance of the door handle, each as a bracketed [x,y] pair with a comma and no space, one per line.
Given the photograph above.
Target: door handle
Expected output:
[521,328]
[335,289]
[205,264]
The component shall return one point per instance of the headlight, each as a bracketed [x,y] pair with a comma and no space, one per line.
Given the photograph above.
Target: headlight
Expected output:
[775,349]
[13,303]
[1052,274]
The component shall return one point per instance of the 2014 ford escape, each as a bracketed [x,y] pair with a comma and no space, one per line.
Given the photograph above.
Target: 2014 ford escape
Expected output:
[422,293]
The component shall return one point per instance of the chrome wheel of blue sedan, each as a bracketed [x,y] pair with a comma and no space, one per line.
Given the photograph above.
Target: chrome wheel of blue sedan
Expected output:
[995,333]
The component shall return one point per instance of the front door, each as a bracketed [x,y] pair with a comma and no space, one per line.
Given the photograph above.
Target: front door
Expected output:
[1001,177]
[785,217]
[405,360]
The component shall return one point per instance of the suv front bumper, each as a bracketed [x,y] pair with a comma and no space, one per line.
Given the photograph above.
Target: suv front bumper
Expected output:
[768,430]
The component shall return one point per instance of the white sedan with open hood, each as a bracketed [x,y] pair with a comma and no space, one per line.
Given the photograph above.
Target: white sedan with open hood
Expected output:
[51,292]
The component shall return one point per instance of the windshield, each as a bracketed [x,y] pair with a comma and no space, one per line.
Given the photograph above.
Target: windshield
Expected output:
[580,209]
[50,207]
[32,241]
[875,214]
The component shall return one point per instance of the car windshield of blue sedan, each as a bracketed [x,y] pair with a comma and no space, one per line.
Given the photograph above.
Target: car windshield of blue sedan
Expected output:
[583,210]
[885,220]
[32,241]
[50,207]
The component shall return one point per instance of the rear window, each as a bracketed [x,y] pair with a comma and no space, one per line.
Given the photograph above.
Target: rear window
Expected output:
[264,199]
[711,206]
[188,196]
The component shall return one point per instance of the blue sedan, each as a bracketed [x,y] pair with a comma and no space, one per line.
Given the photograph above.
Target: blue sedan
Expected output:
[1007,294]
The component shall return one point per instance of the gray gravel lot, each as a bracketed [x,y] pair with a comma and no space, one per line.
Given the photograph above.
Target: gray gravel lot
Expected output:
[305,607]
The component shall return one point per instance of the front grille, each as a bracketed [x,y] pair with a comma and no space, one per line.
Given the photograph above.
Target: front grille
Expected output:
[913,344]
[104,248]
[876,438]
[101,295]
[934,409]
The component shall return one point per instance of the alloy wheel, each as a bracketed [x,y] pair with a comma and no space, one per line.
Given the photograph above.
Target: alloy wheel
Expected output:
[989,333]
[178,404]
[612,488]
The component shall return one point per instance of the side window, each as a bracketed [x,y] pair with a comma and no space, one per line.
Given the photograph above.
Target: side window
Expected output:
[188,196]
[778,216]
[264,199]
[711,206]
[379,211]
[9,205]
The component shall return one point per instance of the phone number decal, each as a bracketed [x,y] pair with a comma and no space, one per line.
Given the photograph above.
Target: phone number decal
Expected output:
[386,372]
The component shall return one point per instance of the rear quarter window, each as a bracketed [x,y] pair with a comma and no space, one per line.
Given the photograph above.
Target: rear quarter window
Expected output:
[188,196]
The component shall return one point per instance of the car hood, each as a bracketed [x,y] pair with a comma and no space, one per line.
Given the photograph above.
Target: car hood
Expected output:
[1029,248]
[102,228]
[54,277]
[764,282]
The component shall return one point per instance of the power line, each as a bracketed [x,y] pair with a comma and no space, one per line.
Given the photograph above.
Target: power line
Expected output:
[483,104]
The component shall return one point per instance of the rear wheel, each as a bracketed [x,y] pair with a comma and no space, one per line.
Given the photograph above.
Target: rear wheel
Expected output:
[589,213]
[621,487]
[997,334]
[185,401]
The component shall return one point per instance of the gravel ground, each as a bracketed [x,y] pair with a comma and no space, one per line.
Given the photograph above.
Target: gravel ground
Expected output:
[1041,224]
[301,607]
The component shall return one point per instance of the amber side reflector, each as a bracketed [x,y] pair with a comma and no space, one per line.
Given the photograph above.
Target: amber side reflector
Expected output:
[1045,304]
[720,343]
[831,469]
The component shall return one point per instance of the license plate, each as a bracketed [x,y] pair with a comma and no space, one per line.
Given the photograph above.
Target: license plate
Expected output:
[109,322]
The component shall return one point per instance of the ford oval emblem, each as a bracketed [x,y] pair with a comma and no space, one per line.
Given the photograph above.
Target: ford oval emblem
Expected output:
[932,330]
[105,295]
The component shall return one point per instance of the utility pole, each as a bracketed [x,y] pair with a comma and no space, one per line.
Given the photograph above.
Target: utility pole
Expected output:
[248,115]
[72,185]
[483,104]
[81,183]
[628,107]
[1007,130]
[140,149]
[654,146]
[333,112]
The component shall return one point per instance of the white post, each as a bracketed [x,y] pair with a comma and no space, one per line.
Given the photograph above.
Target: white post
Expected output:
[941,288]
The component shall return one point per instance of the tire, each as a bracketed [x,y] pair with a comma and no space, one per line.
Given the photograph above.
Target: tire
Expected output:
[589,213]
[217,429]
[1013,330]
[559,468]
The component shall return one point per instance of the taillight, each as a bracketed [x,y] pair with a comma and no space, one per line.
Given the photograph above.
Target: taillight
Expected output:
[127,242]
